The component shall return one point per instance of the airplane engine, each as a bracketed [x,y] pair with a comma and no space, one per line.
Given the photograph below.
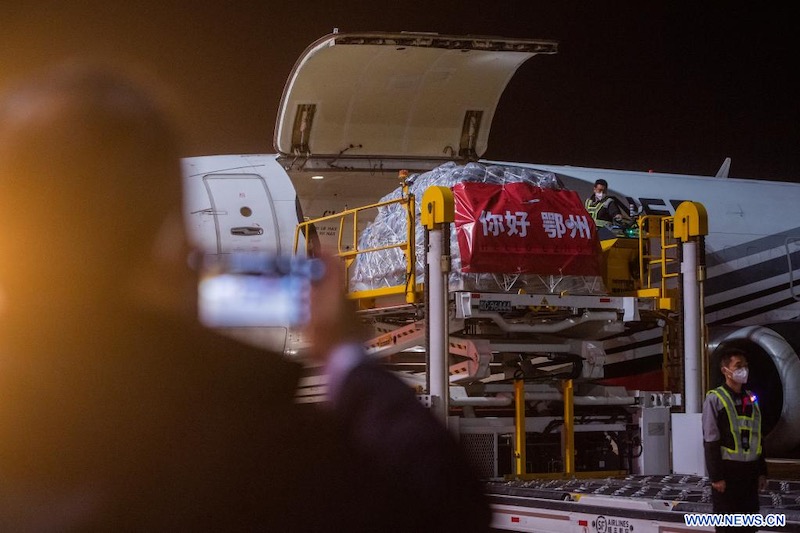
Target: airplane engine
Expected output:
[774,376]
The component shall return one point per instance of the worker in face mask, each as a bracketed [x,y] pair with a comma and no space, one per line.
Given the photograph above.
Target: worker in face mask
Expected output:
[603,208]
[732,440]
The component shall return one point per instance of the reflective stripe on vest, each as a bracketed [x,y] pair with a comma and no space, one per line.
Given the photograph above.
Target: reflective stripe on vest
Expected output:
[738,423]
[594,209]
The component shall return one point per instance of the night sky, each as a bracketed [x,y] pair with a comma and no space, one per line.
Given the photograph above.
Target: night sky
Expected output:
[665,86]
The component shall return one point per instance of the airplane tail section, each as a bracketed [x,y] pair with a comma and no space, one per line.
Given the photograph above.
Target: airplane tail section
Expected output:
[724,169]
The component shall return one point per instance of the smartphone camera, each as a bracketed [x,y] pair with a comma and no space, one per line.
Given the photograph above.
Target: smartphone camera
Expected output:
[257,290]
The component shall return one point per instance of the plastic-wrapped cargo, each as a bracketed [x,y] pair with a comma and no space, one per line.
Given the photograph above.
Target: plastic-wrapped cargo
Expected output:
[386,268]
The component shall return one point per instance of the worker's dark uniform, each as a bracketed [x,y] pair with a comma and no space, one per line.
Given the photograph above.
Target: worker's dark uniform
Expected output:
[732,442]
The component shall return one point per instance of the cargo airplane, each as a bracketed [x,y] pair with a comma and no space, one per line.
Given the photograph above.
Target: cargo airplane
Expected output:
[359,107]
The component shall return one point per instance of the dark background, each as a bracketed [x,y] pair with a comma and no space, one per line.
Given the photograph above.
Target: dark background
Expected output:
[665,86]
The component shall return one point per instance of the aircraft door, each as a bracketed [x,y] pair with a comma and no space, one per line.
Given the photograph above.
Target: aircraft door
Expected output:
[243,212]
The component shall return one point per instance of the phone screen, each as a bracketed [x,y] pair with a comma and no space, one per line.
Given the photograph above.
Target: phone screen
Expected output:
[255,291]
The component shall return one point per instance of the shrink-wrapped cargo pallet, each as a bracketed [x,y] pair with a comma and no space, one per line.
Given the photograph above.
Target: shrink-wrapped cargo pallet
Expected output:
[385,268]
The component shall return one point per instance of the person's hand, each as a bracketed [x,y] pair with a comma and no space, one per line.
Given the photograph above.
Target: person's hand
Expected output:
[718,486]
[762,483]
[333,317]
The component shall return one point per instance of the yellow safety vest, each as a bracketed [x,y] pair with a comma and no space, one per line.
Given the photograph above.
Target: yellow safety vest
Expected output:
[740,426]
[594,209]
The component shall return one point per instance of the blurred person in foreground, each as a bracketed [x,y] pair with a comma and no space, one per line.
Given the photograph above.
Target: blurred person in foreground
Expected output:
[421,479]
[118,411]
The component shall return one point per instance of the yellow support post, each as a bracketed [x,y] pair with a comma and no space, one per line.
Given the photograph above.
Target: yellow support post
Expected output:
[691,220]
[520,466]
[411,248]
[569,427]
[438,201]
[438,207]
[691,226]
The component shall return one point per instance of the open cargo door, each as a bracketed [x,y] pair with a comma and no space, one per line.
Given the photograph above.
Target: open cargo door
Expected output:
[396,100]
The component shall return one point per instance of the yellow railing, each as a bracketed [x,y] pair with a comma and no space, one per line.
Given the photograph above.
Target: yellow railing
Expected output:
[656,230]
[349,251]
[659,231]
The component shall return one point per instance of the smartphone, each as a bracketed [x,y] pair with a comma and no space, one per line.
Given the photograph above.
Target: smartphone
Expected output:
[257,290]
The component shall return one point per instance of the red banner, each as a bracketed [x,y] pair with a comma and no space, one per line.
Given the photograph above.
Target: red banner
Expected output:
[520,228]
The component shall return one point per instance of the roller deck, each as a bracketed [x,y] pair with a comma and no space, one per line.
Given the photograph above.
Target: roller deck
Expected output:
[634,504]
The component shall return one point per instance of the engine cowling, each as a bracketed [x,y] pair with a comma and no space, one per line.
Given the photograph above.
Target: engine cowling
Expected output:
[774,376]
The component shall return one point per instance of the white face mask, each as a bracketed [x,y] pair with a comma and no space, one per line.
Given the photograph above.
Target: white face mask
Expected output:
[599,195]
[739,375]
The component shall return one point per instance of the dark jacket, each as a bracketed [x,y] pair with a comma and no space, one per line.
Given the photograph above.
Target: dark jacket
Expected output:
[142,423]
[605,210]
[421,478]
